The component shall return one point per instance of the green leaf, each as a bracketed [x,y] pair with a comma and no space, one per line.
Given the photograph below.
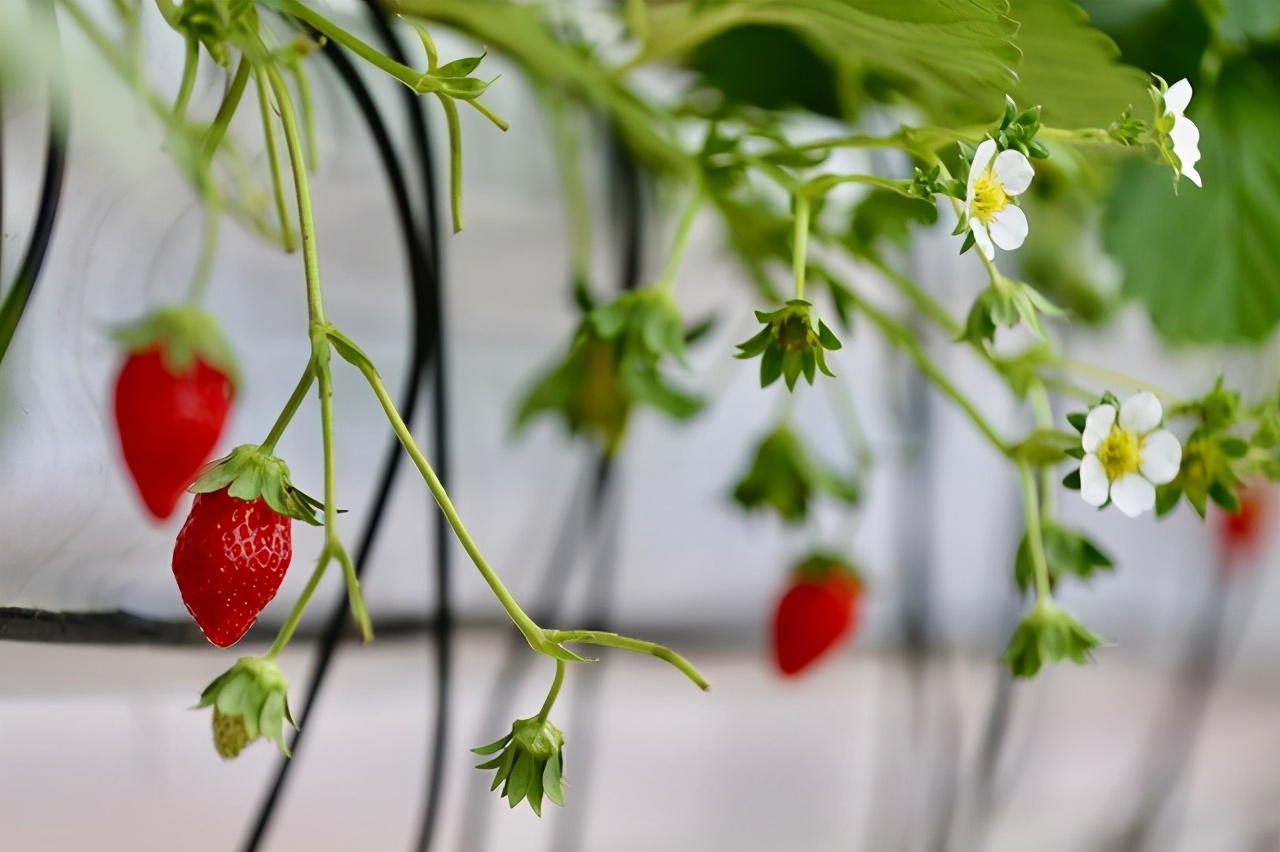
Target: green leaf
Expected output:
[1254,20]
[1047,635]
[887,215]
[937,54]
[1066,552]
[1069,68]
[1207,263]
[794,76]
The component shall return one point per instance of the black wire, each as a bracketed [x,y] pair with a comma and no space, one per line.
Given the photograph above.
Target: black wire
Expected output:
[423,280]
[55,166]
[434,322]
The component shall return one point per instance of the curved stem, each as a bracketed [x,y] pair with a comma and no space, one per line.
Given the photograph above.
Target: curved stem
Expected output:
[1043,411]
[455,159]
[208,252]
[190,65]
[672,270]
[532,632]
[553,694]
[626,643]
[230,101]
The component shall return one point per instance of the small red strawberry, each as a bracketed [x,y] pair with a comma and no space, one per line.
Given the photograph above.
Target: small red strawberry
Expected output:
[171,401]
[1241,533]
[819,608]
[232,553]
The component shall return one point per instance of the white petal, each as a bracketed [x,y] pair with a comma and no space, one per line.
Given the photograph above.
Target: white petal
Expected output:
[1009,227]
[1161,457]
[1093,481]
[1133,495]
[1097,426]
[1014,171]
[1141,413]
[1178,97]
[981,160]
[1185,137]
[983,239]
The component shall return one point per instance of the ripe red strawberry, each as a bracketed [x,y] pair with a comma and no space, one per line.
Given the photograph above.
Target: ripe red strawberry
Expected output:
[819,608]
[229,561]
[1241,533]
[172,397]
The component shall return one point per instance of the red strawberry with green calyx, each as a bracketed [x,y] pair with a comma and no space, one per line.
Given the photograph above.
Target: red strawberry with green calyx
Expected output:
[172,396]
[819,608]
[232,553]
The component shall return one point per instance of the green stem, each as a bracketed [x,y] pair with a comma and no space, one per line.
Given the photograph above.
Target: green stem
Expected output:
[290,408]
[852,141]
[305,106]
[553,694]
[1105,376]
[273,161]
[1043,412]
[626,643]
[577,207]
[320,350]
[532,632]
[922,301]
[1031,511]
[489,114]
[672,270]
[190,65]
[230,101]
[800,244]
[820,185]
[455,160]
[290,625]
[208,253]
[333,32]
[901,337]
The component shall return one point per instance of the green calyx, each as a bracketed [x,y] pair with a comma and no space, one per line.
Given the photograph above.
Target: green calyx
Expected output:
[818,567]
[249,700]
[529,762]
[789,345]
[218,24]
[182,334]
[785,477]
[250,473]
[1047,635]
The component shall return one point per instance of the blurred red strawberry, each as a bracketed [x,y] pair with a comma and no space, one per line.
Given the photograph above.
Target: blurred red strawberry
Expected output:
[818,609]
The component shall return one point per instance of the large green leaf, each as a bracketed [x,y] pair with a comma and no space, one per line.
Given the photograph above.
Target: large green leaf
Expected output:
[1072,69]
[940,53]
[1207,263]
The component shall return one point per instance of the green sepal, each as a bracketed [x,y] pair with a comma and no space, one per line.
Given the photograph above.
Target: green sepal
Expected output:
[183,334]
[250,700]
[1167,497]
[1047,635]
[1077,419]
[552,783]
[529,765]
[784,476]
[248,473]
[1072,480]
[1066,553]
[495,746]
[792,343]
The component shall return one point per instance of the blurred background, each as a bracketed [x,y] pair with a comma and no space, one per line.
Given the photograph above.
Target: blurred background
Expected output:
[911,737]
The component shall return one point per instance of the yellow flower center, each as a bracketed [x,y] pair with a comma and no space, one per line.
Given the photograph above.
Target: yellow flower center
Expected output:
[1120,453]
[989,197]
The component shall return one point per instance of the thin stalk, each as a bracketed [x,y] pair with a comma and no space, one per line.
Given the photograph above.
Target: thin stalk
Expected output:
[455,159]
[295,616]
[553,694]
[1105,376]
[290,408]
[190,65]
[1043,411]
[306,107]
[208,253]
[230,101]
[320,351]
[800,244]
[532,632]
[1031,511]
[683,231]
[626,643]
[273,160]
[332,31]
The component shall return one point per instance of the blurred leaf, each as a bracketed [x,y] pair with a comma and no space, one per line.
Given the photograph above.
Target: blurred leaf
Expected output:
[1255,20]
[938,53]
[1207,262]
[793,75]
[887,215]
[1071,69]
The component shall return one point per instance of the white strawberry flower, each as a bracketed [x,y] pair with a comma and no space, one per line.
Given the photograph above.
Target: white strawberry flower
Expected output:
[1128,455]
[993,181]
[1183,135]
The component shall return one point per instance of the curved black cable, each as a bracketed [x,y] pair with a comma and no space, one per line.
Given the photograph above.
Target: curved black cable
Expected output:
[55,167]
[422,278]
[435,324]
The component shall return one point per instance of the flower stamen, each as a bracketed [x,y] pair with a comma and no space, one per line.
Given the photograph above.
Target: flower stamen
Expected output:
[1120,453]
[989,197]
